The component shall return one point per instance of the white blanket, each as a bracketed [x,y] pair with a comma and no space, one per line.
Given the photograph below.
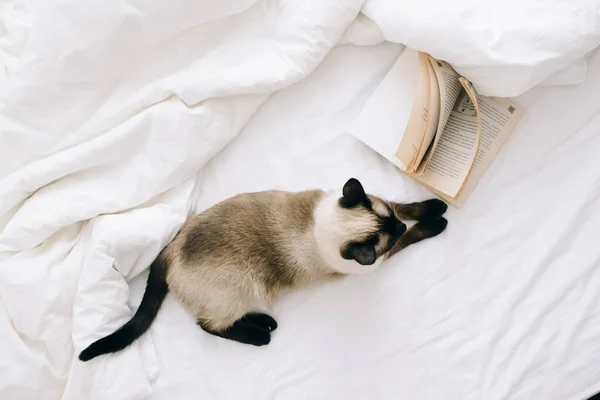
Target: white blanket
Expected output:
[108,111]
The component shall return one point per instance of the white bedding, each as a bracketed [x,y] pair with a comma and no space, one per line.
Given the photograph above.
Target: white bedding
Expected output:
[504,47]
[110,109]
[504,305]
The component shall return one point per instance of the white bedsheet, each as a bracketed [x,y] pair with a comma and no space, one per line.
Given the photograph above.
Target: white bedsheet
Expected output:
[110,109]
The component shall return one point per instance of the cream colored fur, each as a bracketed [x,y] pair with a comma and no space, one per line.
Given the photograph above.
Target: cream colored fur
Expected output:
[219,289]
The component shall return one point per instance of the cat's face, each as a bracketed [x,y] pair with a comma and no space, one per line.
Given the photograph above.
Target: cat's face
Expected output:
[356,229]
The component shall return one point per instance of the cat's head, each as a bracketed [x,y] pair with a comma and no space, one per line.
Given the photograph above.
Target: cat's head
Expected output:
[356,231]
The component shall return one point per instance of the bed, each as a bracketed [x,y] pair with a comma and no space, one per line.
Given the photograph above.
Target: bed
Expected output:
[104,163]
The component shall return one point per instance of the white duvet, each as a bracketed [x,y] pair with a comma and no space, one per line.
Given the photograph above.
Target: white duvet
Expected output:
[110,109]
[504,47]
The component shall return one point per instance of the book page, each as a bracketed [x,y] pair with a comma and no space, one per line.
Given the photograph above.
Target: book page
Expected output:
[433,115]
[449,87]
[499,118]
[451,160]
[384,117]
[417,124]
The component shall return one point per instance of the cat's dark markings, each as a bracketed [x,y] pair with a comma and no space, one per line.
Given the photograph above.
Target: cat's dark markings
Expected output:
[240,255]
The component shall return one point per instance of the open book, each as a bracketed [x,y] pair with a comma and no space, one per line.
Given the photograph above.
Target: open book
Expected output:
[427,120]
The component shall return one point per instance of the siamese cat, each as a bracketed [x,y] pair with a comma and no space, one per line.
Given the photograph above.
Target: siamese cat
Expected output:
[240,255]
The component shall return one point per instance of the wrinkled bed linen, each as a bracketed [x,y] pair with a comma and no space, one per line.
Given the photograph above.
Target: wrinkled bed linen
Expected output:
[108,112]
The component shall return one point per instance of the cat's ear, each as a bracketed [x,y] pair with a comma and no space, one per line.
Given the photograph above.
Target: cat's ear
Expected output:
[353,193]
[362,253]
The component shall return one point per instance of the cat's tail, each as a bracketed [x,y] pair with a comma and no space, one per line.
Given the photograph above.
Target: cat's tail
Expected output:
[156,291]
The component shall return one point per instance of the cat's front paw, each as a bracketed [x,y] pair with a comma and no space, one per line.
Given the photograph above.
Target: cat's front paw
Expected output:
[432,209]
[432,227]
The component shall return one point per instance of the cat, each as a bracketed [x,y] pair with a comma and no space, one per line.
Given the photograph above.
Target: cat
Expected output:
[240,255]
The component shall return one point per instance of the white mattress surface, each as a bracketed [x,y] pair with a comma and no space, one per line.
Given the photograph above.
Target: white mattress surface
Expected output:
[118,118]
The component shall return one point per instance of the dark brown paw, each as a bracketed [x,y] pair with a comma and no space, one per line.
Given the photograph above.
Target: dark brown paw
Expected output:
[256,336]
[243,333]
[433,209]
[432,227]
[262,321]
